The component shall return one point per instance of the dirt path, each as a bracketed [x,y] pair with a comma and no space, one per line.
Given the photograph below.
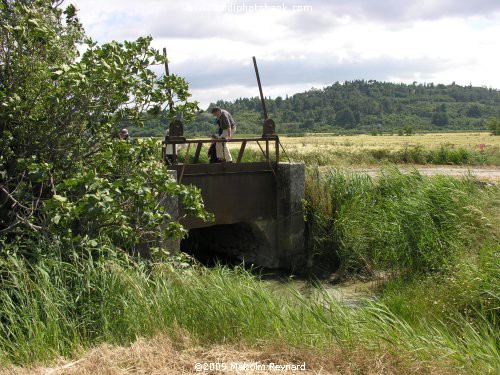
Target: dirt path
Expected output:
[489,173]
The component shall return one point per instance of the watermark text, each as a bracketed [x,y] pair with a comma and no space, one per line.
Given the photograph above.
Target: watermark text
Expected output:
[249,366]
[250,8]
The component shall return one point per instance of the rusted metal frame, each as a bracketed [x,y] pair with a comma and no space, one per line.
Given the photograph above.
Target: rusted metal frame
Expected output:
[283,148]
[264,153]
[244,141]
[232,140]
[185,162]
[242,150]
[174,153]
[164,153]
[197,153]
[167,73]
[261,149]
[260,88]
[267,150]
[277,146]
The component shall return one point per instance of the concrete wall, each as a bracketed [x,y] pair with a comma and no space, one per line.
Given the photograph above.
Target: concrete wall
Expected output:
[285,233]
[290,220]
[233,192]
[267,208]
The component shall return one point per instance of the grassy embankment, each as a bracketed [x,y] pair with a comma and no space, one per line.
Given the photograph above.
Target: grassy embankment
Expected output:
[436,237]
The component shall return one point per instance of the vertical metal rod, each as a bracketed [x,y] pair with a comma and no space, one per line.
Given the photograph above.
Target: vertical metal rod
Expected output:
[261,149]
[284,151]
[260,88]
[174,153]
[267,150]
[277,146]
[197,153]
[185,162]
[268,162]
[167,73]
[242,150]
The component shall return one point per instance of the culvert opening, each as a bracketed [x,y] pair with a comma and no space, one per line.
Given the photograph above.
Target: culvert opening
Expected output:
[231,244]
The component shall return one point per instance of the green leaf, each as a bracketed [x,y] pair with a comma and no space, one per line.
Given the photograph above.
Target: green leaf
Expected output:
[59,198]
[33,22]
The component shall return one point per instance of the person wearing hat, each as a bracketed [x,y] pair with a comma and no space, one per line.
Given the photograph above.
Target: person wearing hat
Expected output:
[228,126]
[123,134]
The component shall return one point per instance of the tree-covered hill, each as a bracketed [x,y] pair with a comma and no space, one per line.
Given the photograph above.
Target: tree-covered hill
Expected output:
[358,106]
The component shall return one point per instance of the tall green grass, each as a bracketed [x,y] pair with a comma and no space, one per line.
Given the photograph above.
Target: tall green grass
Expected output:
[436,238]
[445,155]
[469,287]
[405,223]
[55,308]
[436,235]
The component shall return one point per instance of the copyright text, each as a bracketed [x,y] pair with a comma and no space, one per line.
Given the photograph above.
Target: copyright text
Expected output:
[249,366]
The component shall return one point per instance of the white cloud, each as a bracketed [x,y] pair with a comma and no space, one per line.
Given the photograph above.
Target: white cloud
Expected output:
[439,40]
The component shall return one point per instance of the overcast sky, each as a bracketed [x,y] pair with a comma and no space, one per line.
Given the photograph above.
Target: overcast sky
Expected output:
[211,43]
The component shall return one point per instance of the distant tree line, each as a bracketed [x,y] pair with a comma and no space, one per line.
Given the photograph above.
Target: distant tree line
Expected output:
[356,106]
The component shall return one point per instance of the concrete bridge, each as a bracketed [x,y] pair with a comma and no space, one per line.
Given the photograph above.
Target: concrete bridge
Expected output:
[257,207]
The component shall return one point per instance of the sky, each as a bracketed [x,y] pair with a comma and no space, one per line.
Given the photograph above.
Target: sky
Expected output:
[301,44]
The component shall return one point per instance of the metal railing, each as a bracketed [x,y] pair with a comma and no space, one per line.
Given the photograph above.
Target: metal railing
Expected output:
[267,143]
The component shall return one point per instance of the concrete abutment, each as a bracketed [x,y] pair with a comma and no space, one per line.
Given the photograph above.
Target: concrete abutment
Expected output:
[259,215]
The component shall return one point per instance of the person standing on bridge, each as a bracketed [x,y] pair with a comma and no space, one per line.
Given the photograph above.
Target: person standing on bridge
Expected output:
[228,126]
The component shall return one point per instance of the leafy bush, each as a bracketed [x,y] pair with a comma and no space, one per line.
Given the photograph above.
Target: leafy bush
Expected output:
[59,111]
[62,175]
[123,197]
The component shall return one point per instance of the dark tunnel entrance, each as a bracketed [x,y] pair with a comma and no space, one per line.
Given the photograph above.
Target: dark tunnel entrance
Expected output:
[231,244]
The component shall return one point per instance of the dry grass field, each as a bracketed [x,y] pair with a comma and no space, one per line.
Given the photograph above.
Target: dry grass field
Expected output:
[468,149]
[360,142]
[469,141]
[161,356]
[313,142]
